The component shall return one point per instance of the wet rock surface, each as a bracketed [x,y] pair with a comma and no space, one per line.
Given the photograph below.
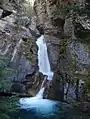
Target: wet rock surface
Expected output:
[68,54]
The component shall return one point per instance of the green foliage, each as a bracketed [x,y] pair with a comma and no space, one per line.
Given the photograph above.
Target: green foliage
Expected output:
[69,10]
[5,71]
[29,58]
[7,106]
[73,10]
[63,45]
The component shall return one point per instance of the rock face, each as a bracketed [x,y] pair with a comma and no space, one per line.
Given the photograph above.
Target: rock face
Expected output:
[17,42]
[68,54]
[67,43]
[52,25]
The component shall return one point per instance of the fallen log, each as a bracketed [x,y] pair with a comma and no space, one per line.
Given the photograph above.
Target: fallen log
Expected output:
[9,94]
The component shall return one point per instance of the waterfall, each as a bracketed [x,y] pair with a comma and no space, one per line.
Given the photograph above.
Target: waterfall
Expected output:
[28,101]
[43,60]
[44,68]
[40,93]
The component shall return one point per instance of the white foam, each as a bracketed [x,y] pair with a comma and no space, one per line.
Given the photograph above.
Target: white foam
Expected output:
[28,101]
[41,106]
[43,60]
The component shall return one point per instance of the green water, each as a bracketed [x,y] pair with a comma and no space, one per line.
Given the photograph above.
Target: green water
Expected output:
[39,109]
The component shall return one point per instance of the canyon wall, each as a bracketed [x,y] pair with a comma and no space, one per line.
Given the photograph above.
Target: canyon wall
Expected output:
[67,39]
[68,49]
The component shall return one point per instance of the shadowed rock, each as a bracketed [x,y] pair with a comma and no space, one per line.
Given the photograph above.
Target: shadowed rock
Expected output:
[5,13]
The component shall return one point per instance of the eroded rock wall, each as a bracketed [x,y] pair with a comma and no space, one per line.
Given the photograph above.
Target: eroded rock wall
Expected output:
[18,35]
[68,54]
[52,25]
[66,39]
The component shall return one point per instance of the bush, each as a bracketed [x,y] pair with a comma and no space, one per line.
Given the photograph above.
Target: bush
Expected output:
[5,75]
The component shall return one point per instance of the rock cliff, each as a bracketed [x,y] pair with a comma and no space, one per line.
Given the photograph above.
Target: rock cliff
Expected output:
[18,35]
[67,37]
[68,48]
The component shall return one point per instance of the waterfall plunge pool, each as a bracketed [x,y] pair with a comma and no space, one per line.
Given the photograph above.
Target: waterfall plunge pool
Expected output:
[37,107]
[46,109]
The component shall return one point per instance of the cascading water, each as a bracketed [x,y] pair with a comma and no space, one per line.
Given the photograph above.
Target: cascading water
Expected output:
[40,93]
[44,68]
[43,60]
[37,103]
[28,101]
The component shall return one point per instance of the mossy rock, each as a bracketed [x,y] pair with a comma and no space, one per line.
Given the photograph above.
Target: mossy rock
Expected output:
[4,116]
[8,105]
[29,58]
[63,46]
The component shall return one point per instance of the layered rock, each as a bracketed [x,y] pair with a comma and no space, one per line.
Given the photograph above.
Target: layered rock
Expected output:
[68,55]
[52,25]
[68,51]
[17,42]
